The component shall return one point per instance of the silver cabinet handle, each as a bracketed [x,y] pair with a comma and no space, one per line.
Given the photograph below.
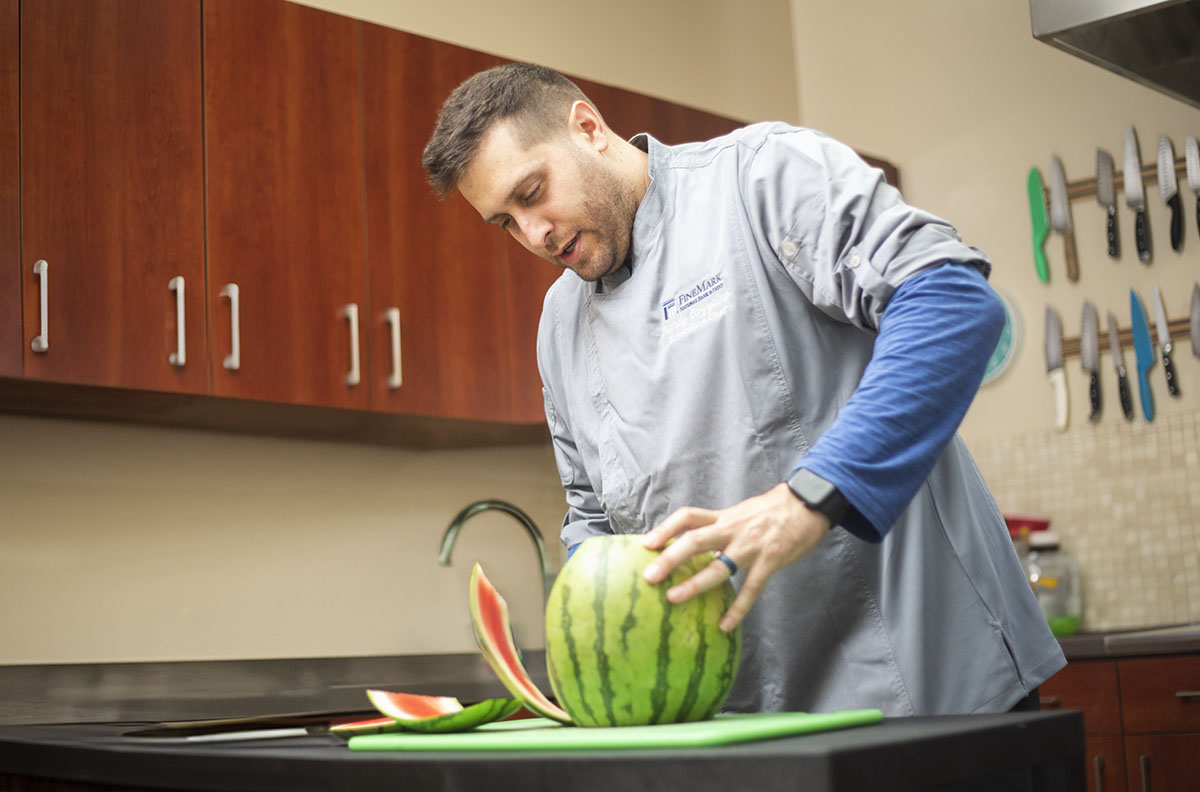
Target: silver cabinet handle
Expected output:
[41,343]
[396,378]
[350,311]
[1049,701]
[233,361]
[179,356]
[1187,694]
[1144,761]
[1098,767]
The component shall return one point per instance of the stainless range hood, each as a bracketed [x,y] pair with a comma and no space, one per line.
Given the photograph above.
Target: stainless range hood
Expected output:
[1154,43]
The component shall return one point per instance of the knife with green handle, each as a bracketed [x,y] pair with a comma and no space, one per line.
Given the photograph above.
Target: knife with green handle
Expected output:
[1041,222]
[1145,354]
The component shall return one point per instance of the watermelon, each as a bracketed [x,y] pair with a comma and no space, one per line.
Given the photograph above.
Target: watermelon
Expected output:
[435,714]
[619,654]
[493,633]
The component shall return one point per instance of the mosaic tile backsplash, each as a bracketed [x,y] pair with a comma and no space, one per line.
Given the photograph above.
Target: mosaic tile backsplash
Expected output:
[1124,500]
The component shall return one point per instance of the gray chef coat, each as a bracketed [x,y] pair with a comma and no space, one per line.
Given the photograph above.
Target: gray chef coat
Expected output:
[761,265]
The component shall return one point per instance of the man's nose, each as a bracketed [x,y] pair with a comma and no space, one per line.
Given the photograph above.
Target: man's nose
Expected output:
[537,232]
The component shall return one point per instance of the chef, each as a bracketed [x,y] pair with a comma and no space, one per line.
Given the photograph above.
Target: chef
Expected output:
[761,350]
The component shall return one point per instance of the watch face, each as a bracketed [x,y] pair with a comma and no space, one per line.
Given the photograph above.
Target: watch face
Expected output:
[811,488]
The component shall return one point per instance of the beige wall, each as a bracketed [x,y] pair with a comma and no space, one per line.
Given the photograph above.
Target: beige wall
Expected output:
[965,100]
[128,543]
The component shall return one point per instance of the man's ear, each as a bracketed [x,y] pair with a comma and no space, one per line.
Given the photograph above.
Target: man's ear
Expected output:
[585,120]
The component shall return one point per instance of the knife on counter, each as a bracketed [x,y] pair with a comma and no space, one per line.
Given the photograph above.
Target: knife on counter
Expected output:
[1054,367]
[1192,153]
[1041,223]
[1107,199]
[1164,342]
[1135,196]
[1145,354]
[1114,344]
[1060,216]
[1195,319]
[1168,188]
[1089,356]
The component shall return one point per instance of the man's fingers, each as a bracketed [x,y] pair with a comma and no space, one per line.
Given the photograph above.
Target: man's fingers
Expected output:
[712,575]
[680,520]
[756,579]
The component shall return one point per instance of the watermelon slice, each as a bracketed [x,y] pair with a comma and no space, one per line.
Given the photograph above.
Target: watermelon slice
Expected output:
[413,712]
[493,633]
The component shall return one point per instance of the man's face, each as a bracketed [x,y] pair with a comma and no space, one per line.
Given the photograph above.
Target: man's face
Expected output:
[559,198]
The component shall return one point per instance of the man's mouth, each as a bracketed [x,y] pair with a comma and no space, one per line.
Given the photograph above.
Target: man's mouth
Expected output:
[570,248]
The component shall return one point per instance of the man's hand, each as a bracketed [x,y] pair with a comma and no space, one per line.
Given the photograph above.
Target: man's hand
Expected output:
[761,535]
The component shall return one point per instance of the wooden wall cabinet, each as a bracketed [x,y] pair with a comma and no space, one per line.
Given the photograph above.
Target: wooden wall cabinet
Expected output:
[283,133]
[11,355]
[112,193]
[1141,717]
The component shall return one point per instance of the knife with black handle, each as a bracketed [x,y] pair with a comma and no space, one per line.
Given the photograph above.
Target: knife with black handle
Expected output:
[1107,199]
[1114,345]
[1192,155]
[1164,342]
[1168,188]
[1089,356]
[1135,196]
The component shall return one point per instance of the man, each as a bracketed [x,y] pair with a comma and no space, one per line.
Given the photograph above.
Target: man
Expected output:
[763,352]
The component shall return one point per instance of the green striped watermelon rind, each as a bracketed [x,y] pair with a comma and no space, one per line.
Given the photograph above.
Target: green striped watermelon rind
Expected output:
[453,720]
[493,634]
[619,654]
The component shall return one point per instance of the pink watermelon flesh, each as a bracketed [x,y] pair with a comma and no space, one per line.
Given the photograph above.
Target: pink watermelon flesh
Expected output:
[411,706]
[493,633]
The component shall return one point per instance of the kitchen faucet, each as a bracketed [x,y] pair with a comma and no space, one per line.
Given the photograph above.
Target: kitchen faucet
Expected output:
[524,519]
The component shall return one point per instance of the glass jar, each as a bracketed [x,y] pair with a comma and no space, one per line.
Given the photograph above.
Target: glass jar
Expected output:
[1054,575]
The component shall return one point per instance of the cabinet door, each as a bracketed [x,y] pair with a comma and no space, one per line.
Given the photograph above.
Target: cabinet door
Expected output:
[1161,693]
[435,267]
[10,211]
[285,202]
[1088,685]
[1105,764]
[1162,762]
[112,192]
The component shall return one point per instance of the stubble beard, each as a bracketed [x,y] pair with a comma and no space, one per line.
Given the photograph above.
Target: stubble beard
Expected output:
[610,210]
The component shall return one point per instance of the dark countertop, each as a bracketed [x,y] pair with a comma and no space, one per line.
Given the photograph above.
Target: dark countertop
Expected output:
[899,754]
[1172,639]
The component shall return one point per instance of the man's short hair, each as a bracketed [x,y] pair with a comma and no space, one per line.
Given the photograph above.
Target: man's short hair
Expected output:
[532,95]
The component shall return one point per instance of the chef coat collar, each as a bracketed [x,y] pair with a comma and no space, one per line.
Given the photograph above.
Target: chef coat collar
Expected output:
[646,220]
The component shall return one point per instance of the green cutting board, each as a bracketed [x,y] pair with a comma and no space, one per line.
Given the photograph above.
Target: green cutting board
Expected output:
[540,734]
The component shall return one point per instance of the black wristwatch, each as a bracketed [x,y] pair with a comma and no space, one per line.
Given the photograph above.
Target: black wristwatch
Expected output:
[819,495]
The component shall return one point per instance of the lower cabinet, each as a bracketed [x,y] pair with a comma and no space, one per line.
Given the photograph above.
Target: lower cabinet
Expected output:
[1142,719]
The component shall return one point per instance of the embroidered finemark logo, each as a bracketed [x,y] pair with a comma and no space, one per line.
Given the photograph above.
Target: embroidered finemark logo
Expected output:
[706,288]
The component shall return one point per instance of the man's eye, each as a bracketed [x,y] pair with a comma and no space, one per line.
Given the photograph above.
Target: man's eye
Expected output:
[505,223]
[532,195]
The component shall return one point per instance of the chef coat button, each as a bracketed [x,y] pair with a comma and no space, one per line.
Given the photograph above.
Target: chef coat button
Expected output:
[789,248]
[854,261]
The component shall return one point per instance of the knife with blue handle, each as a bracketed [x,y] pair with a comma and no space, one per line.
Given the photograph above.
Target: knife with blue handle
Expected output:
[1164,342]
[1145,354]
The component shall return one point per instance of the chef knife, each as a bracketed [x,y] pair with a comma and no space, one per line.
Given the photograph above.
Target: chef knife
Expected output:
[1144,352]
[1107,198]
[1041,224]
[1168,188]
[1164,342]
[1060,216]
[1195,322]
[1192,153]
[1114,344]
[1089,355]
[1054,367]
[1135,197]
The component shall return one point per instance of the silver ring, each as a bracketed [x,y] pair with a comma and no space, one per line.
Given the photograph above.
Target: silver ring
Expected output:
[727,561]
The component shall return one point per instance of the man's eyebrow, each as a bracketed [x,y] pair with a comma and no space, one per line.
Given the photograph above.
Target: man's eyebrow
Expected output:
[521,183]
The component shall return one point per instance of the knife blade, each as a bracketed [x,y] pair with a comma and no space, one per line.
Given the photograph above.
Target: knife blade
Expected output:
[1089,356]
[1054,367]
[1107,199]
[1192,153]
[1041,223]
[1195,319]
[1145,354]
[1135,198]
[1164,342]
[1114,344]
[1060,216]
[1168,188]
